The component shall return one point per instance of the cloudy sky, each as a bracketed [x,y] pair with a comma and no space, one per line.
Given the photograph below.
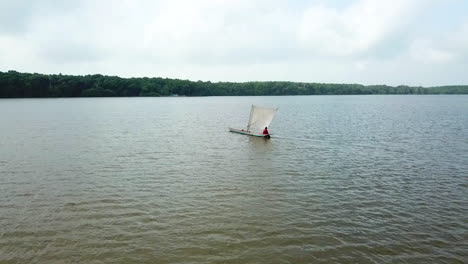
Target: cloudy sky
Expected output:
[414,42]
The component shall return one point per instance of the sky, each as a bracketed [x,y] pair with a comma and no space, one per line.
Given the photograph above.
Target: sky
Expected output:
[393,42]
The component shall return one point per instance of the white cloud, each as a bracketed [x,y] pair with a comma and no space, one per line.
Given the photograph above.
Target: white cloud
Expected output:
[15,50]
[364,41]
[424,52]
[445,48]
[211,32]
[356,29]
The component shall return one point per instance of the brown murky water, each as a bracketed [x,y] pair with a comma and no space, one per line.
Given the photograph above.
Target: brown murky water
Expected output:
[345,179]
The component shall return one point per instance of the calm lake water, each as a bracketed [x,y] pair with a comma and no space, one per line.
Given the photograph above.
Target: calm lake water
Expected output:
[344,179]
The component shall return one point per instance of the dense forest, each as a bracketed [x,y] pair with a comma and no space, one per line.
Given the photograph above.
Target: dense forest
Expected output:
[16,85]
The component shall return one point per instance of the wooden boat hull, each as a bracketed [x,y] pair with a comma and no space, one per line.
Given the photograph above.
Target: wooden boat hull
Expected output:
[248,133]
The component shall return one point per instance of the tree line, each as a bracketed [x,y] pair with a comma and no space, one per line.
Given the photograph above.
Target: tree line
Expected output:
[14,84]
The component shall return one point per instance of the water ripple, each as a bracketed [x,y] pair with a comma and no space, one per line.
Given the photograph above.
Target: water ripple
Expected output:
[134,180]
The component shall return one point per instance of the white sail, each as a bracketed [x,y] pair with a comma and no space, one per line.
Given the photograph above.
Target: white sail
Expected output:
[260,117]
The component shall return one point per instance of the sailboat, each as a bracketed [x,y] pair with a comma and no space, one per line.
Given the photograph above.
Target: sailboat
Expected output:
[260,117]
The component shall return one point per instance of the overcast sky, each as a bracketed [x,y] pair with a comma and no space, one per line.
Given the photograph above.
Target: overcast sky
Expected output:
[414,42]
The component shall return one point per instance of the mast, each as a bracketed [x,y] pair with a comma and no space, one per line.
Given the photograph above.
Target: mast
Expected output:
[250,117]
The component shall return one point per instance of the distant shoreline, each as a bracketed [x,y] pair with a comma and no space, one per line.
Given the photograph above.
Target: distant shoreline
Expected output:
[195,96]
[14,84]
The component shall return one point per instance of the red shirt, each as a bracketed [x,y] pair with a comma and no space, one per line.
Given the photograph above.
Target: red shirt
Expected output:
[265,131]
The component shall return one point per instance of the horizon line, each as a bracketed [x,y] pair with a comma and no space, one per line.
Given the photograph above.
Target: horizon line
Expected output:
[256,81]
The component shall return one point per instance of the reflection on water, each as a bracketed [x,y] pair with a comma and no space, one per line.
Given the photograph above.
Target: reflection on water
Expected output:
[357,179]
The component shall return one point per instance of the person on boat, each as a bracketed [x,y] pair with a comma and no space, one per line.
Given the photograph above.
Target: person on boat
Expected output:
[265,131]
